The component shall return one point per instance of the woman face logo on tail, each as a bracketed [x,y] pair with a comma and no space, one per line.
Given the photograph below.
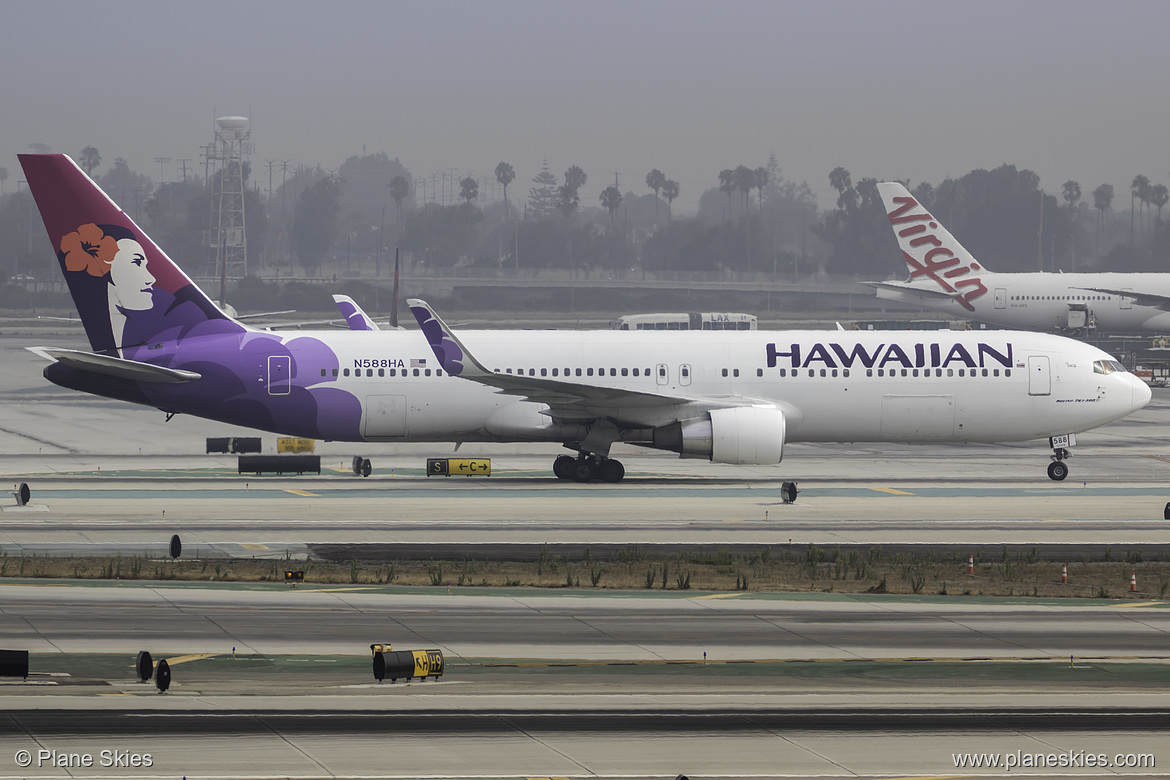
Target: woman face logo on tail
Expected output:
[130,279]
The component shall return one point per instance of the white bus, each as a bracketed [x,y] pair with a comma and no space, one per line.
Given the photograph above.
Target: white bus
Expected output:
[684,321]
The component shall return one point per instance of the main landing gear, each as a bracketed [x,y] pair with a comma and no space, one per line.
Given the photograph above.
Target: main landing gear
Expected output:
[586,468]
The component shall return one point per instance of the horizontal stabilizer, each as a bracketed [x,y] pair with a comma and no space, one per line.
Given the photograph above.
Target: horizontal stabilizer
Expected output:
[133,370]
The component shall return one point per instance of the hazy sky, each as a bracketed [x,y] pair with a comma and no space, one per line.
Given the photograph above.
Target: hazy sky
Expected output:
[1071,89]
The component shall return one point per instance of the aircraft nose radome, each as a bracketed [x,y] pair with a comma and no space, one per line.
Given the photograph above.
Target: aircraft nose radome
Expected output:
[1141,393]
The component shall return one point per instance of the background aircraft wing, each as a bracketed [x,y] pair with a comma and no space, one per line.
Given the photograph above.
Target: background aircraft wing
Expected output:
[567,401]
[1144,299]
[913,289]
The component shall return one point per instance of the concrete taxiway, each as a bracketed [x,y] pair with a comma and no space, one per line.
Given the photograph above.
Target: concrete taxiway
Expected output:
[569,683]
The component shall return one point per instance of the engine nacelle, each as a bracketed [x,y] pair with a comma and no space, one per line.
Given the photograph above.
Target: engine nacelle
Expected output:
[748,435]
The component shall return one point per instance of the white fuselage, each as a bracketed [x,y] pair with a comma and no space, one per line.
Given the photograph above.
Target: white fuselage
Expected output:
[1045,302]
[831,385]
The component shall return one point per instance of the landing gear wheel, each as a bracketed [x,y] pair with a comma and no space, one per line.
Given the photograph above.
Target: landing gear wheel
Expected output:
[1057,470]
[611,470]
[584,470]
[563,466]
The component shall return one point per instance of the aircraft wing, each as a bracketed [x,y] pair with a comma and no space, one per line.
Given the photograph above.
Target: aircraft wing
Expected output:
[133,370]
[903,287]
[1144,299]
[567,401]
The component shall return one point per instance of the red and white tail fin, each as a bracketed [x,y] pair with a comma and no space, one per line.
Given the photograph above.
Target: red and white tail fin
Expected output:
[932,254]
[128,292]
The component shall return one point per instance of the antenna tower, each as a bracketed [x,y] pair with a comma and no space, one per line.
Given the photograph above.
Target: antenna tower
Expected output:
[226,156]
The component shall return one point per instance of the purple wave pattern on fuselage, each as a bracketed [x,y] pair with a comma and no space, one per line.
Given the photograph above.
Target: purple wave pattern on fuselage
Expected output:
[446,350]
[235,382]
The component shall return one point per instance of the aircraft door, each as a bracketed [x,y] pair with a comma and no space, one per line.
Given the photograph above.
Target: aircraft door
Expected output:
[1001,297]
[385,417]
[279,374]
[684,374]
[661,374]
[1039,375]
[1124,301]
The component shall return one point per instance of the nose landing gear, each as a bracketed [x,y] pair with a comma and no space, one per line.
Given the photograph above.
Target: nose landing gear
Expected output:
[586,468]
[1058,469]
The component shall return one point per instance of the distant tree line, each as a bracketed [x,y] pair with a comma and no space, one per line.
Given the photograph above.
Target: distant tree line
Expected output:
[751,220]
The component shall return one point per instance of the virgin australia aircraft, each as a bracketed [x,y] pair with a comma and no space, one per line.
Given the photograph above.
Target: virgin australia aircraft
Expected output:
[726,396]
[945,277]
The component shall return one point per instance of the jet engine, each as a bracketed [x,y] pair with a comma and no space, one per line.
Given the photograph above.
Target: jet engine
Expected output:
[746,435]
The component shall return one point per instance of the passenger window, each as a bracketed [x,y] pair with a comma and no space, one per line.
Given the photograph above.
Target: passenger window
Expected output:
[335,372]
[635,372]
[555,372]
[369,372]
[578,372]
[345,372]
[381,372]
[416,372]
[589,372]
[322,372]
[625,372]
[834,372]
[544,372]
[735,372]
[393,372]
[427,372]
[782,372]
[532,372]
[759,372]
[823,372]
[725,372]
[613,372]
[845,372]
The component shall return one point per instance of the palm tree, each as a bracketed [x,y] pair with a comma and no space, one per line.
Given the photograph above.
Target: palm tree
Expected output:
[89,158]
[761,182]
[575,178]
[745,180]
[399,189]
[505,173]
[1159,195]
[727,185]
[1139,190]
[670,192]
[840,180]
[611,198]
[1102,201]
[469,189]
[654,180]
[1071,194]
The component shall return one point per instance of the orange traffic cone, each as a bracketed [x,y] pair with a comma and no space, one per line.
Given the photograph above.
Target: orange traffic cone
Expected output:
[970,564]
[1064,574]
[1133,581]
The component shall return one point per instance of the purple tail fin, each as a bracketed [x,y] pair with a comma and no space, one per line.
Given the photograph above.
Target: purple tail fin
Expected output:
[128,293]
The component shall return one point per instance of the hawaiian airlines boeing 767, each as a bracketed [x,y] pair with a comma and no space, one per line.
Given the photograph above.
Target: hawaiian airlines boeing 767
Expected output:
[945,277]
[726,396]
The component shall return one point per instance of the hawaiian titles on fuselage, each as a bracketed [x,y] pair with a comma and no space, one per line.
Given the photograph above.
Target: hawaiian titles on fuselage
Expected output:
[933,355]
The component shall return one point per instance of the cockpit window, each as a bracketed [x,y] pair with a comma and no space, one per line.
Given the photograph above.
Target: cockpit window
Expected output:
[1107,367]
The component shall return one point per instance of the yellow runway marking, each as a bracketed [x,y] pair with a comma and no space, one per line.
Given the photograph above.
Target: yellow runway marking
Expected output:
[254,546]
[117,694]
[303,493]
[717,596]
[1156,457]
[1140,604]
[893,492]
[327,590]
[182,659]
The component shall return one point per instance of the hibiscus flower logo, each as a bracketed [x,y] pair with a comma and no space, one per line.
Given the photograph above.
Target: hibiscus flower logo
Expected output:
[89,249]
